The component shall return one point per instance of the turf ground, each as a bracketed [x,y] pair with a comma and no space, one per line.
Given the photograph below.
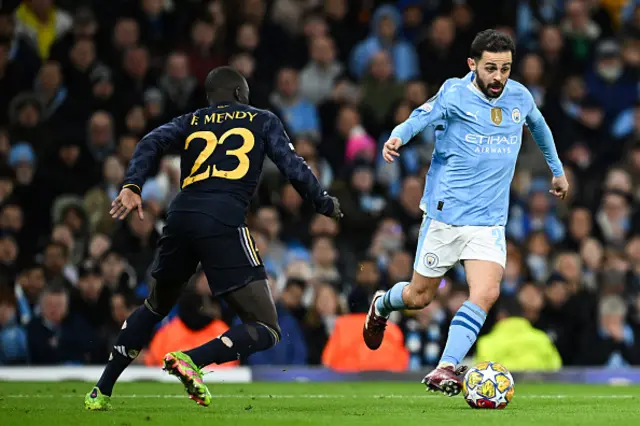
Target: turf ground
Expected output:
[335,404]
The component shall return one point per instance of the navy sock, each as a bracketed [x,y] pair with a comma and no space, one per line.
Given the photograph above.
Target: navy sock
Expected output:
[238,342]
[135,334]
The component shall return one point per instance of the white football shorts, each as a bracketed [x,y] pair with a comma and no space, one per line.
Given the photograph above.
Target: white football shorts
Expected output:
[441,246]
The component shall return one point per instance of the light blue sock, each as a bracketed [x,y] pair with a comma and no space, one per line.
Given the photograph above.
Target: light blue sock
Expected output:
[463,331]
[392,300]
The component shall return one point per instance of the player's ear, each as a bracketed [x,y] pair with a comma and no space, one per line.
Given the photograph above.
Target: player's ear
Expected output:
[472,64]
[240,96]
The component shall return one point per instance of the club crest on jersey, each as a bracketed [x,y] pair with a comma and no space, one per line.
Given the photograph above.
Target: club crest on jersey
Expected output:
[496,116]
[515,115]
[431,260]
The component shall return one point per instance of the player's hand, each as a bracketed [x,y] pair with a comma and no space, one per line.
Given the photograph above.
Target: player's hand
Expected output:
[560,187]
[337,213]
[390,149]
[124,203]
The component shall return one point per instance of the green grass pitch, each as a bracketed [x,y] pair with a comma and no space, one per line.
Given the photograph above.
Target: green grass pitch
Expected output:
[335,404]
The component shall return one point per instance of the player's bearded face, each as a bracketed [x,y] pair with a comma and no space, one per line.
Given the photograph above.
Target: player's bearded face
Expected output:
[492,72]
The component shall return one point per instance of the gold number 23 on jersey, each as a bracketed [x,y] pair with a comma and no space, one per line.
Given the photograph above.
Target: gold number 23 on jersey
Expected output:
[248,141]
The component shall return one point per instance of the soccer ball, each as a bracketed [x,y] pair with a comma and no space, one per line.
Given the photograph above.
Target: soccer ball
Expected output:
[488,385]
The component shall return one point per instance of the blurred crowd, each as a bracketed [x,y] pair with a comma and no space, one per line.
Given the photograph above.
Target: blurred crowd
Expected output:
[82,81]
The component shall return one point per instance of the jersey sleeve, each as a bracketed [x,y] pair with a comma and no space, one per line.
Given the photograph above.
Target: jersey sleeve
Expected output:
[150,148]
[280,150]
[427,114]
[542,135]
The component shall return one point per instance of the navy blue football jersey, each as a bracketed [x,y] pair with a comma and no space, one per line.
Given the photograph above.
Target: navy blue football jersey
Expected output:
[222,149]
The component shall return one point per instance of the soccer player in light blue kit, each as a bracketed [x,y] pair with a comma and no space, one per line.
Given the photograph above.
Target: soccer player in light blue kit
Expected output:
[479,121]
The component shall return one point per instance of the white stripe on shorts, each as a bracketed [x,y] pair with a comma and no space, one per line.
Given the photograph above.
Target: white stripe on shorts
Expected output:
[246,246]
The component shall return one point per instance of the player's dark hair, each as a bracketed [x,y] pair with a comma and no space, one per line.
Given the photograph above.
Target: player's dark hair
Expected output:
[491,41]
[225,84]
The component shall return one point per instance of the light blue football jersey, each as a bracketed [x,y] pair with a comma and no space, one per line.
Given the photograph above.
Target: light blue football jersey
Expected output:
[477,145]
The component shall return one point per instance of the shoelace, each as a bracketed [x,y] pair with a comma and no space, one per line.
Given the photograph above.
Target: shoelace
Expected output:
[378,323]
[460,370]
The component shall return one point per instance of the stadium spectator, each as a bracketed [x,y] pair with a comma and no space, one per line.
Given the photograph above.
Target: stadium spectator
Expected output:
[156,23]
[611,85]
[92,301]
[380,91]
[12,78]
[126,35]
[85,26]
[57,336]
[537,256]
[425,335]
[538,216]
[137,242]
[29,285]
[614,217]
[440,45]
[98,199]
[320,321]
[205,50]
[362,205]
[613,342]
[580,30]
[357,141]
[366,283]
[42,22]
[98,247]
[531,300]
[406,208]
[13,338]
[179,87]
[531,71]
[324,257]
[300,116]
[513,341]
[22,55]
[319,76]
[385,36]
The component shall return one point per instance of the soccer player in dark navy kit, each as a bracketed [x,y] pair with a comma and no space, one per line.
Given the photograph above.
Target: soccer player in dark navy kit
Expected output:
[222,151]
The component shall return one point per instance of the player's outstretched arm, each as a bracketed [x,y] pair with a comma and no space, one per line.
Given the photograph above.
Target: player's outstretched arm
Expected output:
[544,139]
[145,158]
[422,117]
[280,150]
